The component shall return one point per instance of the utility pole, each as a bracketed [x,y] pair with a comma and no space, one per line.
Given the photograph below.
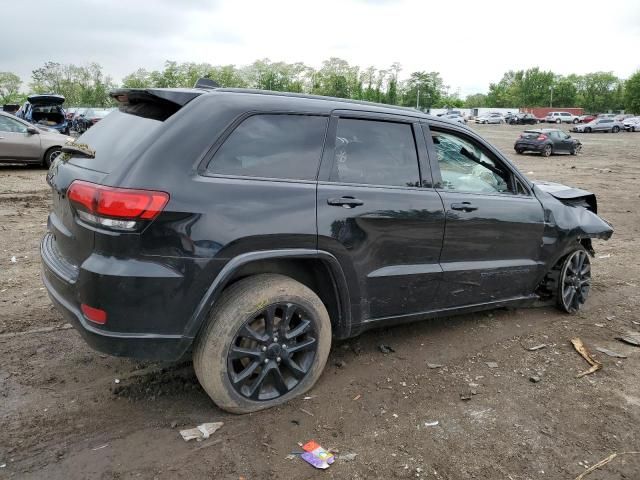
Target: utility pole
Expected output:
[418,99]
[551,101]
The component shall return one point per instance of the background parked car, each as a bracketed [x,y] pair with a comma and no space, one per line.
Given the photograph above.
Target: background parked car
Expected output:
[632,124]
[455,117]
[600,125]
[11,108]
[25,143]
[587,118]
[547,141]
[90,117]
[45,109]
[523,119]
[490,118]
[561,117]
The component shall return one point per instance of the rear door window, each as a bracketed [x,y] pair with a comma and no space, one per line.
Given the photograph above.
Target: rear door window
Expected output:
[273,146]
[375,152]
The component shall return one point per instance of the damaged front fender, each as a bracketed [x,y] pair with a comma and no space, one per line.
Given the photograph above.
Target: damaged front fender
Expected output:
[570,216]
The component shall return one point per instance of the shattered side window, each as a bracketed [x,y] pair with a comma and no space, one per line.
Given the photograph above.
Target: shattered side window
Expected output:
[465,167]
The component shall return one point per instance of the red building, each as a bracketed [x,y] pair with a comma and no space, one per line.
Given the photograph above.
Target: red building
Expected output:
[541,112]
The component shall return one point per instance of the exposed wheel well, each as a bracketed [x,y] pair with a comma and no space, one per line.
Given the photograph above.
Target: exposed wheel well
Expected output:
[312,272]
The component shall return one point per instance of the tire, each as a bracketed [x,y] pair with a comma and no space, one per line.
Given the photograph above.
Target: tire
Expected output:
[633,129]
[587,130]
[519,151]
[575,149]
[615,129]
[575,120]
[558,121]
[50,155]
[242,306]
[547,151]
[574,281]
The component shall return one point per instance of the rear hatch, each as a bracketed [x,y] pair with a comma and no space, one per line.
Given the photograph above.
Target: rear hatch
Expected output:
[46,99]
[530,136]
[110,146]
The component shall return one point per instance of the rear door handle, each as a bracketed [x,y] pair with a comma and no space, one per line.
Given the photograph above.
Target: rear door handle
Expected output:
[345,202]
[464,206]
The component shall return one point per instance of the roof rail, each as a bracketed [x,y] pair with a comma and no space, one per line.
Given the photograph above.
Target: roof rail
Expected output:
[206,83]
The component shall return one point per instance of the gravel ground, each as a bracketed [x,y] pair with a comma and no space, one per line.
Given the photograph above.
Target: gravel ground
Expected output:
[62,415]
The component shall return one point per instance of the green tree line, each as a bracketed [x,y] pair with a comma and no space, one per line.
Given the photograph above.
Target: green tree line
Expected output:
[89,85]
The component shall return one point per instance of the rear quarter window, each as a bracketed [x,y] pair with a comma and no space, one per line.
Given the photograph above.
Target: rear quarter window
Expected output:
[282,146]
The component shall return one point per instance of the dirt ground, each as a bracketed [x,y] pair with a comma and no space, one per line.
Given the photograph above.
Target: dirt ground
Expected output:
[62,415]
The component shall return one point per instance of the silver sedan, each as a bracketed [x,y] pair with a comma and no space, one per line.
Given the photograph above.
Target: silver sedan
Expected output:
[21,142]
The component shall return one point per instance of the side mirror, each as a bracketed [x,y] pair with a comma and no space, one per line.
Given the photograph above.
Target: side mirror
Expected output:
[32,131]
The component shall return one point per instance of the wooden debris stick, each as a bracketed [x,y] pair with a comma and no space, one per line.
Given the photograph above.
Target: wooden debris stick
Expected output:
[582,350]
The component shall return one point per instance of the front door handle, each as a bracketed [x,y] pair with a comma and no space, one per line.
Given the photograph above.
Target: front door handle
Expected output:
[345,202]
[464,206]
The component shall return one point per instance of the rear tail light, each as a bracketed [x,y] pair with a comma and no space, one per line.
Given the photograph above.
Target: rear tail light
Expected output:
[115,208]
[94,315]
[542,137]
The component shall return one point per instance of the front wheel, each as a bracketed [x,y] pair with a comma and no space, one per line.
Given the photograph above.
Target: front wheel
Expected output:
[266,341]
[615,129]
[587,130]
[574,281]
[575,149]
[558,121]
[575,120]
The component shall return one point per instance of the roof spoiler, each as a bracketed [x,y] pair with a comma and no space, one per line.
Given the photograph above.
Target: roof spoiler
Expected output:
[177,96]
[206,83]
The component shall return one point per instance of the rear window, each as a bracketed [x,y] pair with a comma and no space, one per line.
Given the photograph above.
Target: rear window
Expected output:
[113,139]
[273,146]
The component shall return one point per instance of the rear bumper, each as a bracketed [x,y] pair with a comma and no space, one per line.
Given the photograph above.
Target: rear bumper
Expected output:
[65,292]
[529,147]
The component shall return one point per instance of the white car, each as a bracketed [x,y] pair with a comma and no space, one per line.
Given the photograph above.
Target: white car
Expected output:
[490,118]
[561,117]
[454,117]
[632,124]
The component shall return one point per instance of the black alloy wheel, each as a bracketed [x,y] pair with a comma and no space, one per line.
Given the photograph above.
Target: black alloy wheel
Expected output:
[574,281]
[272,352]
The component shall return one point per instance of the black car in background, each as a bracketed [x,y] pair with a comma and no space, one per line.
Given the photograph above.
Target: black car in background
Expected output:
[547,141]
[249,229]
[89,117]
[523,119]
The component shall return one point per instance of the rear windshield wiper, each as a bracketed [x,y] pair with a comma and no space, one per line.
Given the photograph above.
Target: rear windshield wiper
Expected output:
[79,149]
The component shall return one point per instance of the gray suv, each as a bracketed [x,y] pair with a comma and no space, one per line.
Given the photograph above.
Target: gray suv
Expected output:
[561,117]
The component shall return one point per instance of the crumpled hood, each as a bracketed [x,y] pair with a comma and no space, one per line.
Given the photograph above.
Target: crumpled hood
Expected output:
[563,192]
[572,211]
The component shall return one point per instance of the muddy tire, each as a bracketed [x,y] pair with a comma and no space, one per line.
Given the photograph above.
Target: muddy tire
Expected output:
[50,155]
[240,356]
[574,281]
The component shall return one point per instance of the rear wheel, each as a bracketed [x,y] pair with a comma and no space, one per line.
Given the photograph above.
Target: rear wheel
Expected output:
[574,281]
[558,121]
[547,151]
[575,120]
[615,129]
[50,155]
[266,341]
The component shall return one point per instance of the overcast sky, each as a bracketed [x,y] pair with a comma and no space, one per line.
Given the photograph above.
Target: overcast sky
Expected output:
[470,42]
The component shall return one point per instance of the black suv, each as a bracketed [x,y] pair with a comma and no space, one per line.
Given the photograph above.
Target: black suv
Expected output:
[249,228]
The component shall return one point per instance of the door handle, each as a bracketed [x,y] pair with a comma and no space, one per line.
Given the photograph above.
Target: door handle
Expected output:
[464,206]
[345,202]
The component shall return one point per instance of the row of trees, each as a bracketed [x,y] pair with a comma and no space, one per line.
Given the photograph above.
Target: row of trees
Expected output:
[88,85]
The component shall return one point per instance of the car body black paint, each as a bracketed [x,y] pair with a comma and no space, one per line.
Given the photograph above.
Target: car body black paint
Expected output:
[399,253]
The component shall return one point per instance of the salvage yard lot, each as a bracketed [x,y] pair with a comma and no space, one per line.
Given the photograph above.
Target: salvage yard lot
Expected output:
[62,416]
